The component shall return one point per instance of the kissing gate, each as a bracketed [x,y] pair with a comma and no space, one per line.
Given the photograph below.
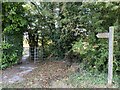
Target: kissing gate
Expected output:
[110,36]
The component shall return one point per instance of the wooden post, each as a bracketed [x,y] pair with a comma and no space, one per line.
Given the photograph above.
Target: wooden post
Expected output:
[110,36]
[110,61]
[1,34]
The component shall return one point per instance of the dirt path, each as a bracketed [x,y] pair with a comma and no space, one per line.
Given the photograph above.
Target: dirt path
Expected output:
[45,74]
[16,73]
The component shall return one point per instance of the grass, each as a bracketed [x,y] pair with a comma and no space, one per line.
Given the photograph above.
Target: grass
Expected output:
[88,80]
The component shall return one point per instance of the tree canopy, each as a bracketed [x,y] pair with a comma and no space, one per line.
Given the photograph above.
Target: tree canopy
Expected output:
[60,28]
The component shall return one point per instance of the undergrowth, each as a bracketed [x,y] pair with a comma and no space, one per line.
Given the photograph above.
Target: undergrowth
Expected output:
[88,80]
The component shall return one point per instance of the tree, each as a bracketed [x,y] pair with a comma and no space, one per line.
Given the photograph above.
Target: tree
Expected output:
[98,17]
[32,29]
[13,26]
[38,15]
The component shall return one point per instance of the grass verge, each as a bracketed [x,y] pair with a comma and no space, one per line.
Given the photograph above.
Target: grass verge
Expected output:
[88,80]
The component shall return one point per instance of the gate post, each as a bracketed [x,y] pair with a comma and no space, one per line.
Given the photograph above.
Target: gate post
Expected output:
[36,50]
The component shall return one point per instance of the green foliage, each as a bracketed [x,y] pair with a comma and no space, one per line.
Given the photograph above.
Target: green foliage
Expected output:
[64,35]
[73,27]
[77,26]
[13,17]
[12,50]
[90,80]
[82,47]
[98,17]
[13,26]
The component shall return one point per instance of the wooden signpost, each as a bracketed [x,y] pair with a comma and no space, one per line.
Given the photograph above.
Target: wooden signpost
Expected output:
[103,35]
[110,36]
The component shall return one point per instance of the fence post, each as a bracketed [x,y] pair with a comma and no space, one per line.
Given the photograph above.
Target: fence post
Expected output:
[110,61]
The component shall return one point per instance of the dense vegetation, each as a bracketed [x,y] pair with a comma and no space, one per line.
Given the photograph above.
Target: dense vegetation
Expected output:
[61,29]
[13,26]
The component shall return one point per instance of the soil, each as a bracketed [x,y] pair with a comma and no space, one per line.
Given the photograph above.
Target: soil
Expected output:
[41,75]
[45,74]
[49,72]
